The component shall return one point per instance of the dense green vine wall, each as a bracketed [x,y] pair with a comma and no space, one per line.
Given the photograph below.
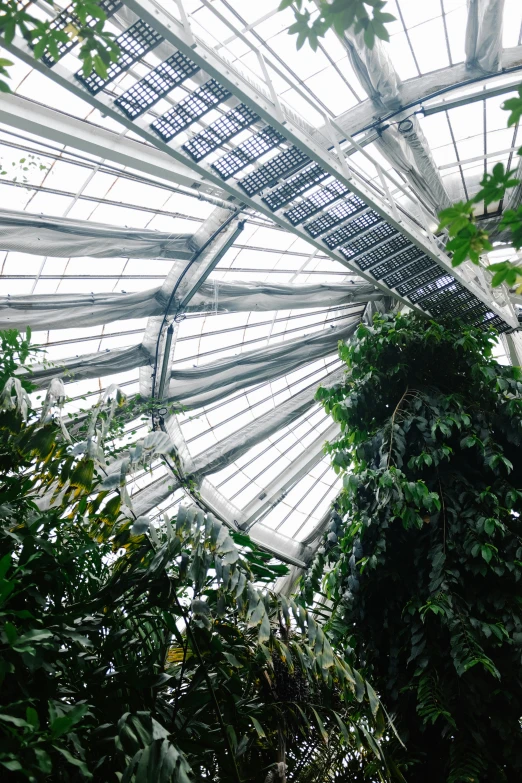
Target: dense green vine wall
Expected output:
[423,556]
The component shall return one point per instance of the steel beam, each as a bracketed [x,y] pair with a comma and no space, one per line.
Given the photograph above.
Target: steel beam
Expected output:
[420,89]
[34,118]
[282,547]
[282,484]
[230,449]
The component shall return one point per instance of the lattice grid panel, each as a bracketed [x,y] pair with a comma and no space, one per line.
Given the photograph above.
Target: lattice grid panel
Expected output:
[247,152]
[271,172]
[421,293]
[396,264]
[68,20]
[401,272]
[190,109]
[448,301]
[334,216]
[363,243]
[317,201]
[312,175]
[220,131]
[430,274]
[355,227]
[156,84]
[378,252]
[134,43]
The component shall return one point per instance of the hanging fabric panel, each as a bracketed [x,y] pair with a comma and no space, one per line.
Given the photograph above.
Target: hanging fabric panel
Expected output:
[66,238]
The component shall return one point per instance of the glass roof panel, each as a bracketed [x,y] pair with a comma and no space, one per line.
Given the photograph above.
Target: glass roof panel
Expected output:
[74,181]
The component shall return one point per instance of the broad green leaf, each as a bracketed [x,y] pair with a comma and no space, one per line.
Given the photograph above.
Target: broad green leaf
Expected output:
[74,761]
[374,700]
[320,726]
[18,722]
[64,723]
[260,731]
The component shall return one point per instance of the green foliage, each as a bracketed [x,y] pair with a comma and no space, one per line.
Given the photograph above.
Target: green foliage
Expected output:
[4,65]
[98,48]
[467,240]
[423,556]
[339,15]
[514,106]
[140,651]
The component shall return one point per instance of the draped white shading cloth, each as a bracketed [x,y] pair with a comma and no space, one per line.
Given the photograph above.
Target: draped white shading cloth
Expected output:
[67,238]
[230,449]
[64,311]
[409,153]
[484,35]
[91,365]
[199,386]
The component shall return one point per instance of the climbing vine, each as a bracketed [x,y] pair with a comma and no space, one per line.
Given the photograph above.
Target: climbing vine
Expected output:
[423,558]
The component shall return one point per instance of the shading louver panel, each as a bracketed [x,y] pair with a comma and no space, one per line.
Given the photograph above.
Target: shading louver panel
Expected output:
[156,84]
[311,175]
[190,109]
[247,152]
[134,43]
[68,21]
[220,131]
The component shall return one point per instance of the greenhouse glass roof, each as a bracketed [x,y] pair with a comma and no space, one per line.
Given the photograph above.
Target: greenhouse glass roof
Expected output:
[258,200]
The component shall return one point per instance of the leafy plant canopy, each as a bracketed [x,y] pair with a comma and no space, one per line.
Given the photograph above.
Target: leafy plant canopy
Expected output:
[423,558]
[135,650]
[98,47]
[366,16]
[467,239]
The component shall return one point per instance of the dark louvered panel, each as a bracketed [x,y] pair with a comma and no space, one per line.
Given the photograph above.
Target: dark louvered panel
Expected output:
[190,109]
[421,293]
[220,131]
[134,43]
[156,84]
[416,268]
[475,313]
[311,175]
[318,201]
[273,170]
[247,152]
[379,250]
[333,217]
[355,227]
[361,244]
[399,262]
[68,22]
[409,285]
[451,300]
[495,322]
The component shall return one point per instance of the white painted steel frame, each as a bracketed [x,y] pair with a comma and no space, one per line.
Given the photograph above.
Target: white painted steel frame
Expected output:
[178,168]
[293,128]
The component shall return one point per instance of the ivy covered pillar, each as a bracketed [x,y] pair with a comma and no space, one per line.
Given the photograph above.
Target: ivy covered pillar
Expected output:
[423,558]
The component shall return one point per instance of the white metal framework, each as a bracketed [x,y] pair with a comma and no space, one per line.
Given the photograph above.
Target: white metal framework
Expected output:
[207,223]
